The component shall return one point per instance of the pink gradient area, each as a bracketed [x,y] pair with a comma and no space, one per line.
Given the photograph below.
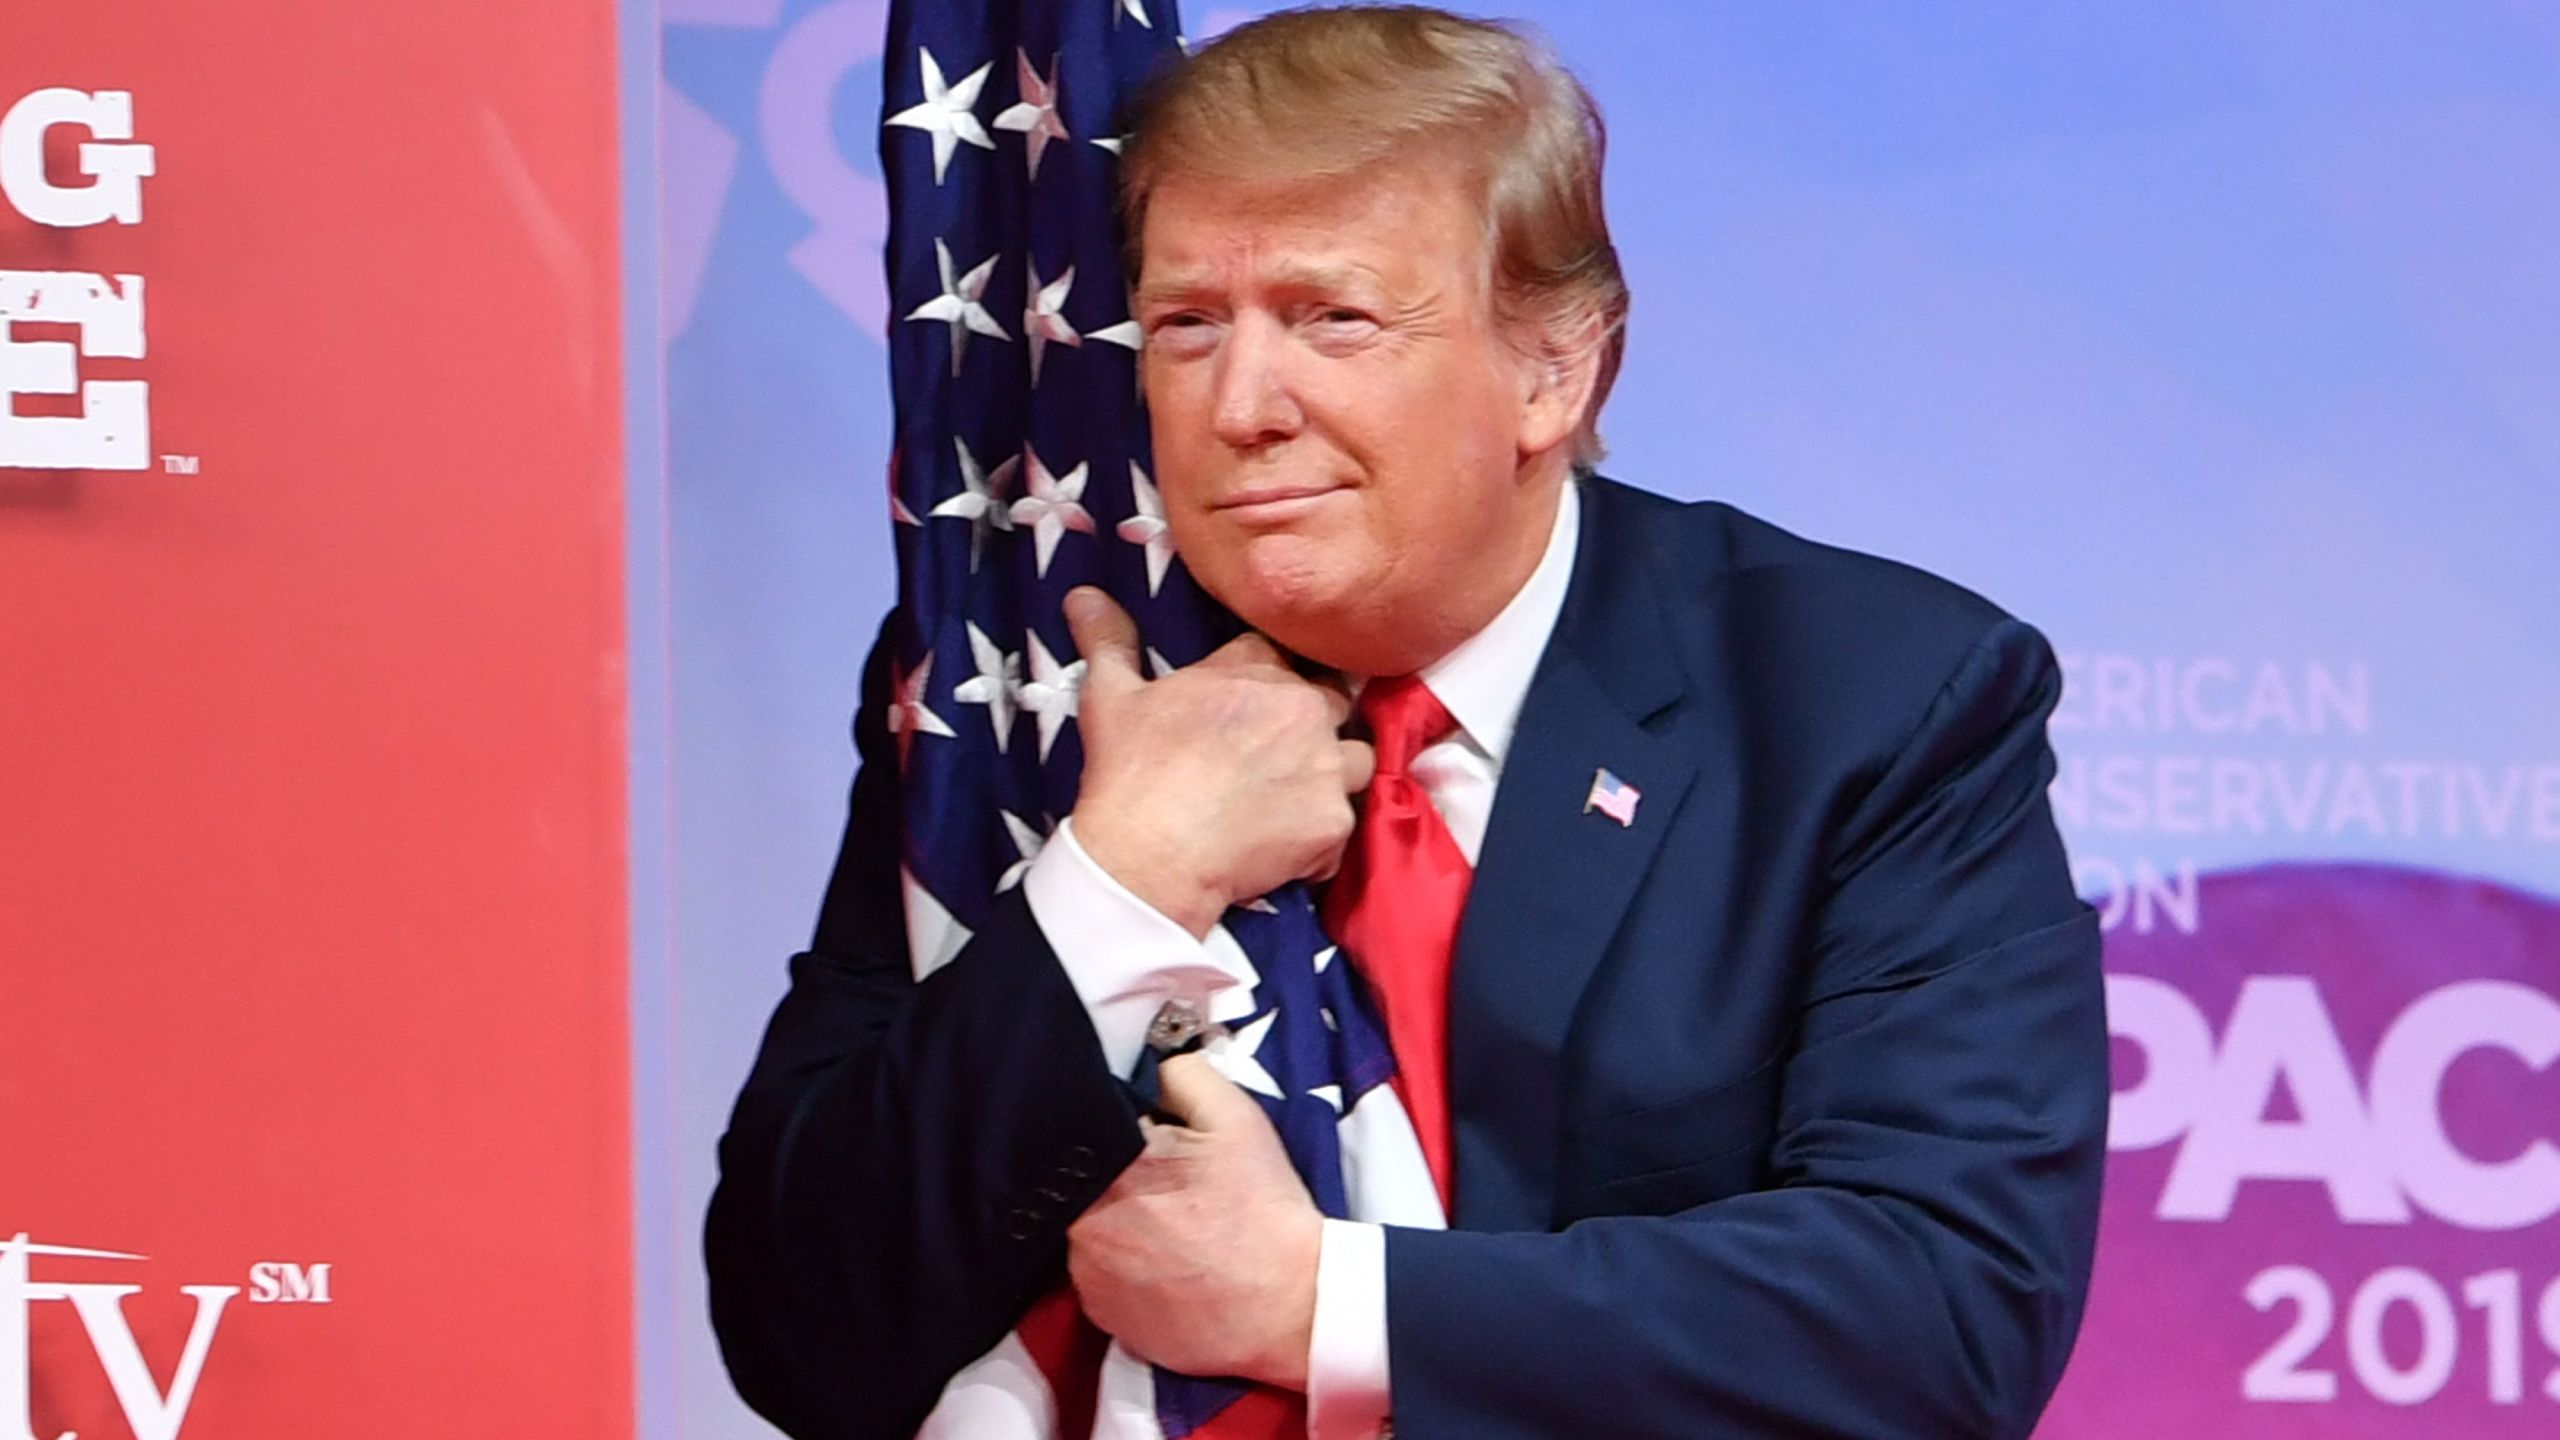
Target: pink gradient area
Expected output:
[2170,1333]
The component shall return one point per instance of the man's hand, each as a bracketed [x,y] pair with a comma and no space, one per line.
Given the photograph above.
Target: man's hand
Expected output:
[1215,784]
[1201,1258]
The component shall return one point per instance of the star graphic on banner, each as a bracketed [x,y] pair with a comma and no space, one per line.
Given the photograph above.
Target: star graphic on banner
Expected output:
[1044,319]
[998,681]
[909,715]
[1113,143]
[961,305]
[1325,958]
[1035,116]
[1329,1094]
[1027,842]
[1050,694]
[981,501]
[947,113]
[1159,667]
[1053,507]
[1135,10]
[1234,1055]
[1147,528]
[1260,905]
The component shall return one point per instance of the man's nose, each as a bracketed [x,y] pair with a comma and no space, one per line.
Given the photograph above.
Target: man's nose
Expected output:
[1254,405]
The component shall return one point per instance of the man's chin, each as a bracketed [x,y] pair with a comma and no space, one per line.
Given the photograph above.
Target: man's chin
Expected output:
[1304,610]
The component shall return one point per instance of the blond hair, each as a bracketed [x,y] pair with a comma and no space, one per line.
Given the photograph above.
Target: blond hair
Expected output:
[1322,93]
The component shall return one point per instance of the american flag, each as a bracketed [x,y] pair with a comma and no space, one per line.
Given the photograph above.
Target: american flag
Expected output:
[1021,471]
[1612,797]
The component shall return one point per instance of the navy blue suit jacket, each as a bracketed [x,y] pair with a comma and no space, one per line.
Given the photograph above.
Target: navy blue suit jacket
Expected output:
[1779,1112]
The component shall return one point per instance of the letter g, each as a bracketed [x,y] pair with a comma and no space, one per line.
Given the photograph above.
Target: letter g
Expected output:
[117,168]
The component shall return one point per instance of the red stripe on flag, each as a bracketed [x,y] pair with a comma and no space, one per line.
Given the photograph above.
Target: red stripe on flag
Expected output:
[1068,1349]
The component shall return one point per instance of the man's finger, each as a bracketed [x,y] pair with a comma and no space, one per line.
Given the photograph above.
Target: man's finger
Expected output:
[1327,867]
[1359,765]
[1201,1098]
[1337,695]
[1105,636]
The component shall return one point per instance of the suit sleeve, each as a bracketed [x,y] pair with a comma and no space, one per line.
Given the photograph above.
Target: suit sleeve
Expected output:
[901,1167]
[1918,1266]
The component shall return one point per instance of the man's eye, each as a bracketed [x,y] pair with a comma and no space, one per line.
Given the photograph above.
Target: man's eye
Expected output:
[1185,330]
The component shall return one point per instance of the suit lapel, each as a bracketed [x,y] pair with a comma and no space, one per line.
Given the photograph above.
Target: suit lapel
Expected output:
[1554,881]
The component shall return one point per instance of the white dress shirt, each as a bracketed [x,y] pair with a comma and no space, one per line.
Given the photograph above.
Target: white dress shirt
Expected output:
[1126,959]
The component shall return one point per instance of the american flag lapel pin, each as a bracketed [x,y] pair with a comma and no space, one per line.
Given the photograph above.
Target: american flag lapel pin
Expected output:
[1612,797]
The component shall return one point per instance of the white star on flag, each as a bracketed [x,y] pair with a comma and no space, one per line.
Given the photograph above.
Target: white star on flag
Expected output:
[1052,508]
[981,500]
[1159,667]
[899,514]
[1325,958]
[1329,1094]
[1135,10]
[947,112]
[1035,116]
[1113,143]
[961,303]
[995,686]
[1127,335]
[1027,842]
[1147,528]
[909,715]
[1234,1056]
[1044,320]
[1051,693]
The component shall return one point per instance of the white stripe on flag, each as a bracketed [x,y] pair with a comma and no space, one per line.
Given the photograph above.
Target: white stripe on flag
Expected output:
[1384,1177]
[1002,1396]
[1126,1407]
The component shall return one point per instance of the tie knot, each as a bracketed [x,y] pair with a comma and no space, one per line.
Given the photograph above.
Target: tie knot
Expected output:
[1403,716]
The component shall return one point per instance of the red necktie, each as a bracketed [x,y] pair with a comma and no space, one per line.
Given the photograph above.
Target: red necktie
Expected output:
[1396,903]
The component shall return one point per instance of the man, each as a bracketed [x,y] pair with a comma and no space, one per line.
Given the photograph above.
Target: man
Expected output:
[1765,1075]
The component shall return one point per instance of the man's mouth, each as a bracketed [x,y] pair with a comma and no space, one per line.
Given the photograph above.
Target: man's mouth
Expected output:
[1274,502]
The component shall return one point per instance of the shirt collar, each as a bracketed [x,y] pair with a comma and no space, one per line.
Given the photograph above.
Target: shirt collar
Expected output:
[1485,681]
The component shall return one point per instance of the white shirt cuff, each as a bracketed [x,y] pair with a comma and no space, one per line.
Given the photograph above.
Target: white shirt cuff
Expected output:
[1347,1393]
[1126,958]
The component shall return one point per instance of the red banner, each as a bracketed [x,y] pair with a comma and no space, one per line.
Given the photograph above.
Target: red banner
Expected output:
[313,1101]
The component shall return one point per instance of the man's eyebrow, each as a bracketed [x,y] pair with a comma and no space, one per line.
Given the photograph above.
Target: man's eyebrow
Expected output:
[1167,292]
[1315,275]
[1306,275]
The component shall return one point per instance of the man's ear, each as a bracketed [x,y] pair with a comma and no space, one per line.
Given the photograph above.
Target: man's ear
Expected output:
[1557,384]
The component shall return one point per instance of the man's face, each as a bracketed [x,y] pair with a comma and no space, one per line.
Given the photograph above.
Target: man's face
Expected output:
[1341,431]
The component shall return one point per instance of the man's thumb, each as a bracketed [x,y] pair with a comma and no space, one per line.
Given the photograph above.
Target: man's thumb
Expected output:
[1105,635]
[1197,1095]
